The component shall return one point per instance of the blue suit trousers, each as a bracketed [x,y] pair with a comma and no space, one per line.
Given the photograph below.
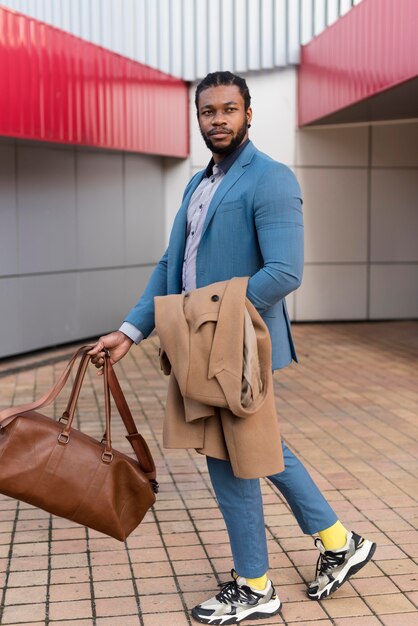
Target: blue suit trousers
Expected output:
[241,504]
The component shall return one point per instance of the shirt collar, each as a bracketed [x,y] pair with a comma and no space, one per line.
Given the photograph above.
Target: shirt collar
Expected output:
[227,162]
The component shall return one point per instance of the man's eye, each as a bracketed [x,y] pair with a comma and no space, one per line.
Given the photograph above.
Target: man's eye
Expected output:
[230,109]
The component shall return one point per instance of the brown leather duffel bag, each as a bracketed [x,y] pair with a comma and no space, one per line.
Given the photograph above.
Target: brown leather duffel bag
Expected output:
[52,465]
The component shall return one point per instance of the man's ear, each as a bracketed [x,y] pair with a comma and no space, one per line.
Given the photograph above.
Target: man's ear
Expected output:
[249,114]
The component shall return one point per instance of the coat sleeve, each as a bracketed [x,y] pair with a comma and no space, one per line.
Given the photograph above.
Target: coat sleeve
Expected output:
[279,224]
[142,315]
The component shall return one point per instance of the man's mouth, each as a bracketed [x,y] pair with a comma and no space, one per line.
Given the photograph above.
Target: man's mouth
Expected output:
[219,133]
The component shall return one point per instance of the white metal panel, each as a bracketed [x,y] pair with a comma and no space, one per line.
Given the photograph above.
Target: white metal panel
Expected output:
[130,27]
[307,19]
[214,17]
[280,33]
[332,11]
[267,34]
[119,25]
[201,37]
[66,20]
[176,53]
[76,18]
[141,30]
[152,27]
[105,16]
[189,38]
[293,25]
[253,35]
[226,40]
[320,15]
[164,36]
[345,6]
[85,22]
[240,35]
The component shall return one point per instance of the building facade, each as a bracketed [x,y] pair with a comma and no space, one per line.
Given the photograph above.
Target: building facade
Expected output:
[82,226]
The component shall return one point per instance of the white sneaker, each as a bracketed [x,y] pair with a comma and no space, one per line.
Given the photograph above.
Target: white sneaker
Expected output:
[334,567]
[237,601]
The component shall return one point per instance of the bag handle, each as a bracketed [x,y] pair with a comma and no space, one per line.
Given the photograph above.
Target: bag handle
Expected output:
[8,415]
[136,440]
[111,383]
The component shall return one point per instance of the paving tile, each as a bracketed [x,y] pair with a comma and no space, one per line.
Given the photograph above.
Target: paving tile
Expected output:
[368,620]
[307,611]
[70,610]
[70,591]
[125,620]
[390,603]
[160,619]
[400,619]
[335,390]
[106,607]
[78,622]
[151,586]
[25,595]
[23,613]
[398,566]
[406,582]
[346,607]
[161,603]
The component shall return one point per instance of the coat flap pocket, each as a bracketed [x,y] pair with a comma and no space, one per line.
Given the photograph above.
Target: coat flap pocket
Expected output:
[210,316]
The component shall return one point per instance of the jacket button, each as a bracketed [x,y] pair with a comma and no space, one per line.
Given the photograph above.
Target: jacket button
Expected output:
[215,298]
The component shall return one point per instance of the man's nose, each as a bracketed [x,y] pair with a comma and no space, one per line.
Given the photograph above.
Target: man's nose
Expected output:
[218,118]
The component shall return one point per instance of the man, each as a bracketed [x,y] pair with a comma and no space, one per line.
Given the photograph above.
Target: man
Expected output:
[241,216]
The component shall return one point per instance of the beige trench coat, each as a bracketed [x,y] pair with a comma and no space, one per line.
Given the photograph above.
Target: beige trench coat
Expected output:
[220,401]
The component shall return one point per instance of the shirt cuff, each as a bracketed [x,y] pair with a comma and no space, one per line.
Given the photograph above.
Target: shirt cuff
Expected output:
[132,332]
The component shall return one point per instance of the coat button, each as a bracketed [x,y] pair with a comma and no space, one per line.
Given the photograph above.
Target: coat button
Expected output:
[215,298]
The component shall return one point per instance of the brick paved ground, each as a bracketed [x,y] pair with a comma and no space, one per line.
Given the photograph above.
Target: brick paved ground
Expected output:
[349,409]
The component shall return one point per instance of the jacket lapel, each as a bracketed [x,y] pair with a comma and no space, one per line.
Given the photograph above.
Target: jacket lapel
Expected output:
[234,174]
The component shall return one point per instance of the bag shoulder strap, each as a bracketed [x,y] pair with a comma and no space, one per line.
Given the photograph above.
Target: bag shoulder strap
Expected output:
[8,415]
[136,440]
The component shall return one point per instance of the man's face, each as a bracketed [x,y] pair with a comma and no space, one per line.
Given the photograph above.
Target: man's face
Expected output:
[222,117]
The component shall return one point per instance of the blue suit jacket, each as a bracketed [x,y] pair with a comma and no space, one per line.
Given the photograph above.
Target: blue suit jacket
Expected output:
[253,227]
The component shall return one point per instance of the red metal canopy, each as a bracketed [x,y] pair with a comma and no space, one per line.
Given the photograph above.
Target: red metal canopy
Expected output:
[363,67]
[59,88]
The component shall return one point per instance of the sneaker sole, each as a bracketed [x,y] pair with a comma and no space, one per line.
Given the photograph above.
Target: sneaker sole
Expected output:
[336,584]
[225,620]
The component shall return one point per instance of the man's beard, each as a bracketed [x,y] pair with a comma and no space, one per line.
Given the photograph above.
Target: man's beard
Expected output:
[225,150]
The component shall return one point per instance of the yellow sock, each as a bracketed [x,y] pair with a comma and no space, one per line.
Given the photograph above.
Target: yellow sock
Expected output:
[258,583]
[334,537]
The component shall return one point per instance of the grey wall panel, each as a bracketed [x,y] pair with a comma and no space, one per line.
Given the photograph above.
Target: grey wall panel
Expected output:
[394,215]
[144,198]
[8,213]
[101,220]
[333,292]
[80,217]
[106,296]
[335,214]
[10,317]
[46,205]
[394,291]
[49,310]
[136,279]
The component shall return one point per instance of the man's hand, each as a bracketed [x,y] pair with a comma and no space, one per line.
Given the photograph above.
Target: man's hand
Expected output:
[116,343]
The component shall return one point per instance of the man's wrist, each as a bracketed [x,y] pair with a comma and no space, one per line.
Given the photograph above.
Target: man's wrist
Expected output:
[132,332]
